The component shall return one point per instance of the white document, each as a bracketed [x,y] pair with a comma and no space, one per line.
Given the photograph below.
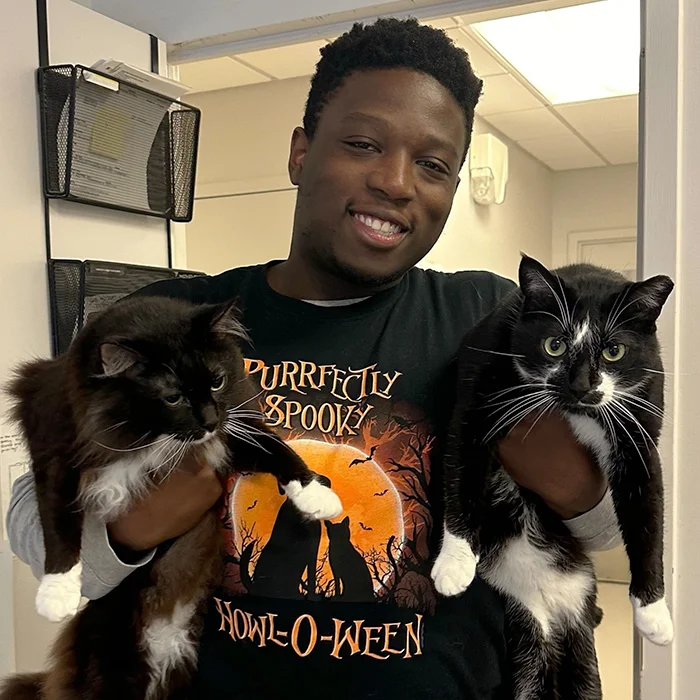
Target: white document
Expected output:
[14,461]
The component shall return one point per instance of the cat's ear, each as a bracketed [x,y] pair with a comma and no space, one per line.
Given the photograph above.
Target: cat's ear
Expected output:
[224,319]
[346,521]
[537,283]
[647,298]
[117,358]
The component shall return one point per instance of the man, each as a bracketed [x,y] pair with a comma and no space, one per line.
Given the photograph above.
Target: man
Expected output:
[350,347]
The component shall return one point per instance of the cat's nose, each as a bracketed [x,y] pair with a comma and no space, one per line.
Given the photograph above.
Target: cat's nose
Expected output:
[580,392]
[210,418]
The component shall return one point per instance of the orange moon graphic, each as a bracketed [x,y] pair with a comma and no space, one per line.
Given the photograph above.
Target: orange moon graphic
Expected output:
[369,498]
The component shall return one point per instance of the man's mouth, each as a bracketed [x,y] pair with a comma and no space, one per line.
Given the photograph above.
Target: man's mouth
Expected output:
[381,232]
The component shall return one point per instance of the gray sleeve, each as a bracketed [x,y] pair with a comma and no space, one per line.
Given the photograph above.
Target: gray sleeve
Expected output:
[102,569]
[597,529]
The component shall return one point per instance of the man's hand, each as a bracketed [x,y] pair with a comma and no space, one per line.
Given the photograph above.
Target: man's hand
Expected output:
[547,459]
[169,511]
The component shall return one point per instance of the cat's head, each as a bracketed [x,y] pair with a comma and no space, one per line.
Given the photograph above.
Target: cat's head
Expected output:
[157,368]
[586,336]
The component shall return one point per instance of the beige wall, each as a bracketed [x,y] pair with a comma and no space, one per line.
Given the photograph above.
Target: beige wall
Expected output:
[76,35]
[244,146]
[589,200]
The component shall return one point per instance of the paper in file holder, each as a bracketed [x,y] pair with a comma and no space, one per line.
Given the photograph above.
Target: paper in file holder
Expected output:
[80,288]
[115,144]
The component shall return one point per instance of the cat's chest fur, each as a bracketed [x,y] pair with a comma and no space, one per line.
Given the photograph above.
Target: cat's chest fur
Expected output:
[589,433]
[108,491]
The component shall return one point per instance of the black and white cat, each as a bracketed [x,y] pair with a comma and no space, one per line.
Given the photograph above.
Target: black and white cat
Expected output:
[580,340]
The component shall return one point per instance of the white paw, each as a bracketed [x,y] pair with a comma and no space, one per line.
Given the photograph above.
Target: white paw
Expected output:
[455,567]
[58,597]
[653,621]
[314,500]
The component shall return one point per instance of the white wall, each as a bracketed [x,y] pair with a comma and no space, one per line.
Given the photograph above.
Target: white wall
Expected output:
[244,147]
[592,199]
[76,35]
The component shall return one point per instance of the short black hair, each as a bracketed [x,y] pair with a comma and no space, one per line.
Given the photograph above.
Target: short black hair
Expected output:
[393,43]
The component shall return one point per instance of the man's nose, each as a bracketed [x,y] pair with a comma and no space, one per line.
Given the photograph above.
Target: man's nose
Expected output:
[393,177]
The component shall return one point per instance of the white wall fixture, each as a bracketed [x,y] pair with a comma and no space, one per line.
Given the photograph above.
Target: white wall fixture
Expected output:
[488,169]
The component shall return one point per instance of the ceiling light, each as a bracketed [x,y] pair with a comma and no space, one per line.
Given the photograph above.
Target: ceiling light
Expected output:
[574,54]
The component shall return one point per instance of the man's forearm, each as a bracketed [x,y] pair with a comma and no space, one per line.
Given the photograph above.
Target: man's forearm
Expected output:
[102,568]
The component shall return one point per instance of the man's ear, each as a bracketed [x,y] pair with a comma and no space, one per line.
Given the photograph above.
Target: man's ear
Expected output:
[297,154]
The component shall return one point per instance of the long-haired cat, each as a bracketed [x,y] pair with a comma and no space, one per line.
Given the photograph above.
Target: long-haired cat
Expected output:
[580,340]
[145,383]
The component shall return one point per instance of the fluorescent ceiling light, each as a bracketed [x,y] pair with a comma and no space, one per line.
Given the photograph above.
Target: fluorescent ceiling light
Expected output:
[573,54]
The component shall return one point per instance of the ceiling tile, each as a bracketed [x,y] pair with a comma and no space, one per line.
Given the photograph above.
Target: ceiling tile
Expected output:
[617,146]
[596,116]
[549,147]
[575,161]
[503,93]
[286,61]
[218,74]
[528,124]
[483,61]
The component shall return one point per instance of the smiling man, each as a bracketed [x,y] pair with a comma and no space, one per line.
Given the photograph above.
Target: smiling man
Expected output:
[351,345]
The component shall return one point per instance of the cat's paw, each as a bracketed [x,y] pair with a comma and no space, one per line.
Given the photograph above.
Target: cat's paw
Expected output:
[455,567]
[58,597]
[653,621]
[315,501]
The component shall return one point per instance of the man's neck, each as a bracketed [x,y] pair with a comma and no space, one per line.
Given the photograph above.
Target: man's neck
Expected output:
[299,281]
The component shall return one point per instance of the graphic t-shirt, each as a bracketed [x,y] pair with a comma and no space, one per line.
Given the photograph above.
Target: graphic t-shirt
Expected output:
[345,608]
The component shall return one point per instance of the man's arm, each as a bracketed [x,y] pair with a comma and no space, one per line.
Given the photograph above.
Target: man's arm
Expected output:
[110,553]
[103,570]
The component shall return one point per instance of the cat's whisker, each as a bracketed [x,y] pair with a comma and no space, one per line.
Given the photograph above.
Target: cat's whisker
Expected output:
[603,412]
[515,413]
[132,449]
[516,418]
[177,458]
[547,313]
[640,403]
[252,398]
[111,427]
[238,433]
[545,410]
[494,352]
[514,399]
[621,423]
[614,314]
[517,387]
[569,313]
[562,311]
[648,440]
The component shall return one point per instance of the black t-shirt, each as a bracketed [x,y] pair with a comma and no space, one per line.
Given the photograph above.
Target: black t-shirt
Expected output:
[346,609]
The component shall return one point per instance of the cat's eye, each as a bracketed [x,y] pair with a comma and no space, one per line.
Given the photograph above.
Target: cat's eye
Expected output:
[173,399]
[554,347]
[614,352]
[218,383]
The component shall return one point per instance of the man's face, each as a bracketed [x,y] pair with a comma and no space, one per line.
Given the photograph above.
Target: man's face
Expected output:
[376,183]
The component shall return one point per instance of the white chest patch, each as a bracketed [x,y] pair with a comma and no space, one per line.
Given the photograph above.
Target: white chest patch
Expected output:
[131,477]
[591,435]
[528,574]
[170,643]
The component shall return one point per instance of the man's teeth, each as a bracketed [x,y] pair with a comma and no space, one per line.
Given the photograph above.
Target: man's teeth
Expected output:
[379,225]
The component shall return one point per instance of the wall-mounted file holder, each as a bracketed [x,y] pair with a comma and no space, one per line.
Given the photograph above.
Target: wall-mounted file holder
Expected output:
[114,144]
[80,288]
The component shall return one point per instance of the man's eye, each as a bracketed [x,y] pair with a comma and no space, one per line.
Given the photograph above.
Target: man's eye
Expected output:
[361,145]
[431,165]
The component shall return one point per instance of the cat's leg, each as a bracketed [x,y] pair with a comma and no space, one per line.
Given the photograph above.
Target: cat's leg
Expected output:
[269,453]
[577,674]
[59,593]
[466,471]
[530,656]
[639,504]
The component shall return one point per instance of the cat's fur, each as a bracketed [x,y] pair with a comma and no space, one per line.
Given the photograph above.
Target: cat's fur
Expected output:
[506,533]
[144,384]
